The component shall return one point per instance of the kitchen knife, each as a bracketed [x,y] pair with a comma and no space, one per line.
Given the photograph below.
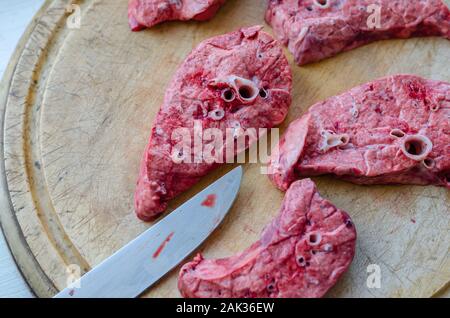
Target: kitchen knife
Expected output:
[150,256]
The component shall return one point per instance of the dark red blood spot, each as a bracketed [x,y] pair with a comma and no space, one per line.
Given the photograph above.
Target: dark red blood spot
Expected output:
[163,244]
[71,292]
[210,201]
[417,91]
[413,220]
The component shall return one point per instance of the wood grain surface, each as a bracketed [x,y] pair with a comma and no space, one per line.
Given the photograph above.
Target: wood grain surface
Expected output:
[78,109]
[15,16]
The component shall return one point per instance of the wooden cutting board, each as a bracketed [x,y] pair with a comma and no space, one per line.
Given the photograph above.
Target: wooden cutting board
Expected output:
[78,105]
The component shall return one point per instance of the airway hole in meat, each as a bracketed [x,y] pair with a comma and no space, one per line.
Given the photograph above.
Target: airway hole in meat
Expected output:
[246,92]
[397,133]
[228,95]
[177,155]
[447,178]
[322,3]
[333,140]
[263,93]
[237,108]
[429,163]
[417,147]
[414,148]
[271,287]
[435,107]
[344,140]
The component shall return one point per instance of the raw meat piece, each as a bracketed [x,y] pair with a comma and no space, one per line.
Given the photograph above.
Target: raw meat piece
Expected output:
[395,130]
[317,29]
[236,81]
[302,253]
[147,13]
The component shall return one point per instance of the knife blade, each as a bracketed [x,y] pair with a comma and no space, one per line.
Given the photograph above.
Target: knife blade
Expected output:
[146,259]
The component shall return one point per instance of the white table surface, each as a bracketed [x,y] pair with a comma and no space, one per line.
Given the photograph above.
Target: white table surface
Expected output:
[14,18]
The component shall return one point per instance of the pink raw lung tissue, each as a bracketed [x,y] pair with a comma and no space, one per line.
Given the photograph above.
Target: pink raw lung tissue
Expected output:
[395,130]
[147,13]
[302,253]
[317,29]
[236,81]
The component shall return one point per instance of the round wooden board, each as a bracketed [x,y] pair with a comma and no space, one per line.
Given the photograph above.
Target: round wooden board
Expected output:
[78,106]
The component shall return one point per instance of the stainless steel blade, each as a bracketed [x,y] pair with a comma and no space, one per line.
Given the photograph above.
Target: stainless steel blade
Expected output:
[143,261]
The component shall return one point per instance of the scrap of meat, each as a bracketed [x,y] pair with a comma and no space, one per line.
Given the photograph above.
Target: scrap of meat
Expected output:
[147,13]
[317,29]
[394,130]
[232,83]
[301,254]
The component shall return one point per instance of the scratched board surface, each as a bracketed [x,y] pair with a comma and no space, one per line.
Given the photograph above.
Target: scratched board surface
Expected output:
[79,105]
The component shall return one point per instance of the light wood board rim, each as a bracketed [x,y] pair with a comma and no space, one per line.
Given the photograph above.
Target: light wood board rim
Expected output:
[30,268]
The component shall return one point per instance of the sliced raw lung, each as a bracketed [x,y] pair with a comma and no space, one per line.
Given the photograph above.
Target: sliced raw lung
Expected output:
[395,130]
[302,253]
[317,29]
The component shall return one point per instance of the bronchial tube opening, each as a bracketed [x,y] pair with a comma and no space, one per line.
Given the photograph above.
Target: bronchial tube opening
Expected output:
[417,147]
[237,87]
[246,89]
[314,239]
